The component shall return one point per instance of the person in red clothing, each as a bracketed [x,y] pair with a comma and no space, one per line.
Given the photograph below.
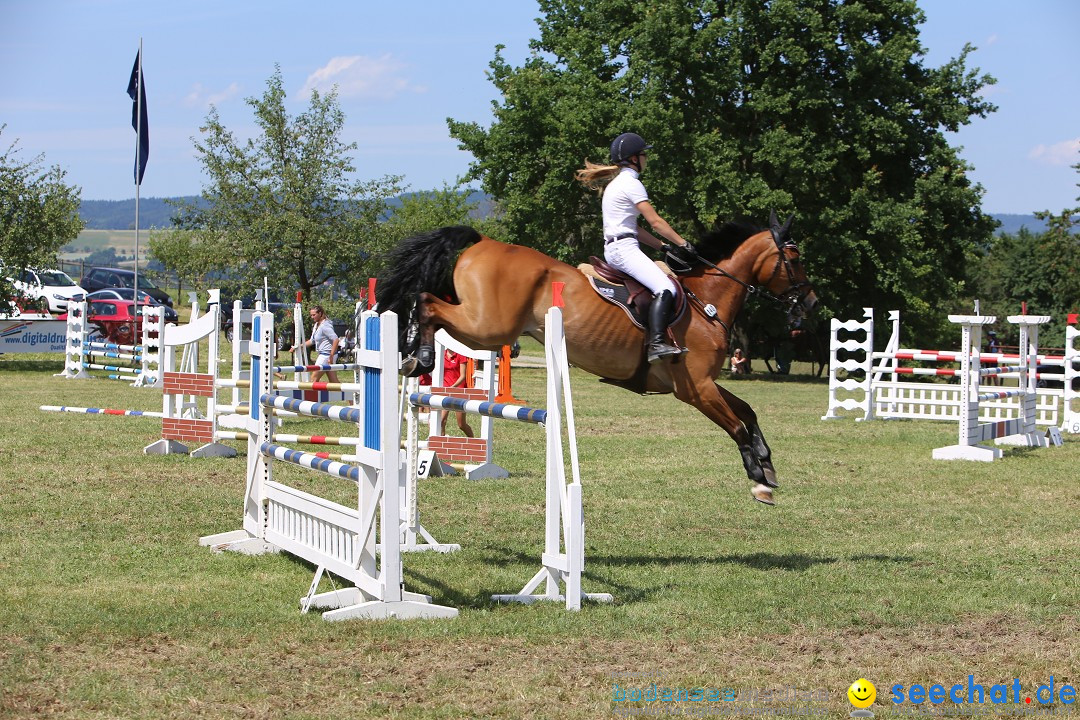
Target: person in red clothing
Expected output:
[453,376]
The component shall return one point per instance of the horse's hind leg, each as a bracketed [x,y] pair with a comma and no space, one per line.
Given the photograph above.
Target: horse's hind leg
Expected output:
[759,448]
[715,403]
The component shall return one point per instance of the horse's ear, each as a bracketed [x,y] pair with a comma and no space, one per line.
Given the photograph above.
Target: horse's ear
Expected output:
[774,222]
[787,226]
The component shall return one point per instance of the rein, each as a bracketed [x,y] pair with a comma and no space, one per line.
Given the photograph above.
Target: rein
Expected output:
[790,298]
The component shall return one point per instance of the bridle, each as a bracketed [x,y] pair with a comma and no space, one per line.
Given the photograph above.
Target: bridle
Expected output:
[790,298]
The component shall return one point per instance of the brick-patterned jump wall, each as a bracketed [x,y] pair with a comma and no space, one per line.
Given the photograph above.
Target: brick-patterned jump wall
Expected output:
[187,430]
[461,392]
[177,383]
[458,449]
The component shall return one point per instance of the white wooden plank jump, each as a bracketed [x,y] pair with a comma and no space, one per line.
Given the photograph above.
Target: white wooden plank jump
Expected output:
[339,539]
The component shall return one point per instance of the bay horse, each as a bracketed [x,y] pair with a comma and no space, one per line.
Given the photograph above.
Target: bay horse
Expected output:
[487,293]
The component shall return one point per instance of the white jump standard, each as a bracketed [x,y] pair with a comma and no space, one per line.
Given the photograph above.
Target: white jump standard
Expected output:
[335,538]
[1017,431]
[563,558]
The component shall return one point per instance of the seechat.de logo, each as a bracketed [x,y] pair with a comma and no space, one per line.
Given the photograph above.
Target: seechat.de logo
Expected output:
[861,695]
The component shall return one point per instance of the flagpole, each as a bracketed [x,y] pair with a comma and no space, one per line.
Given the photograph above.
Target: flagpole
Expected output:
[138,164]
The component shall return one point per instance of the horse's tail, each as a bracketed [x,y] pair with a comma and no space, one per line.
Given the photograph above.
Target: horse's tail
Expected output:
[422,263]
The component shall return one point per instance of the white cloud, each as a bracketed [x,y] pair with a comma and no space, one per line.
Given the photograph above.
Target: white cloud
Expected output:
[1062,153]
[361,76]
[201,97]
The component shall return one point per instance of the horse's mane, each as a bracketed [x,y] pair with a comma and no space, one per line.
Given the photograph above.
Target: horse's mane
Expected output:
[422,263]
[724,239]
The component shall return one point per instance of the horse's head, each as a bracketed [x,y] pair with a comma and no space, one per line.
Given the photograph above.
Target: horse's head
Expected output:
[785,277]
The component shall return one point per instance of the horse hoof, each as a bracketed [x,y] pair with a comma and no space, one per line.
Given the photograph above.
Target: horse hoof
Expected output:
[419,364]
[763,494]
[770,476]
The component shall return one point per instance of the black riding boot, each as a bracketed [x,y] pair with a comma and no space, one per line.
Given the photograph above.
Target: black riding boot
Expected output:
[660,312]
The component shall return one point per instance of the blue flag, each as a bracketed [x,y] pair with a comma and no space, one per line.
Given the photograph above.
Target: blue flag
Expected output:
[137,84]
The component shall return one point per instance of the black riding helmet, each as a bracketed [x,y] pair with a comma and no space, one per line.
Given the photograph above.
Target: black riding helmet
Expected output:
[627,146]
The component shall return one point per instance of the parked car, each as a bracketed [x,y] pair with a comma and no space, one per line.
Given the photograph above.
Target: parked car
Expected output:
[47,290]
[100,278]
[126,294]
[114,320]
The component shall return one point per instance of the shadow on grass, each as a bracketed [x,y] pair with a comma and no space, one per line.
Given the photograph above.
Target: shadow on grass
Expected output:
[598,580]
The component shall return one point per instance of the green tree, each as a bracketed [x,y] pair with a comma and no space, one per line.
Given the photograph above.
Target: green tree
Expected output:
[822,108]
[284,204]
[419,212]
[180,251]
[39,214]
[1041,271]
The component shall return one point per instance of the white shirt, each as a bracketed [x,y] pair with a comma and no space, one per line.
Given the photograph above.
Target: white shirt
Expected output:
[621,197]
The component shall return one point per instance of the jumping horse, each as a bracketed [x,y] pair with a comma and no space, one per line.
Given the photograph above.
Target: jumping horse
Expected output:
[487,293]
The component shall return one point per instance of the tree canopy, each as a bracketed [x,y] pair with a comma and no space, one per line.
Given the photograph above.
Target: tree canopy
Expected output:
[39,212]
[1039,271]
[283,204]
[822,108]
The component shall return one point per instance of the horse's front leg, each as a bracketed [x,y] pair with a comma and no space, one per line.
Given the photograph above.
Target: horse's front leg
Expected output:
[712,401]
[757,440]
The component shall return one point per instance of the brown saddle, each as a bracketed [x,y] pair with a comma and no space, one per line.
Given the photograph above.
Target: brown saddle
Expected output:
[620,289]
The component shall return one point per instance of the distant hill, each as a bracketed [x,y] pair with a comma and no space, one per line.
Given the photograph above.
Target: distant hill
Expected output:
[120,214]
[155,212]
[1011,224]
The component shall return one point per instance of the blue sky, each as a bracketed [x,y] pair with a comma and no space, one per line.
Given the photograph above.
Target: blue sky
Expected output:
[404,67]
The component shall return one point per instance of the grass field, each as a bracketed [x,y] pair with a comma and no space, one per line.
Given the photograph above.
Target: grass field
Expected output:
[878,562]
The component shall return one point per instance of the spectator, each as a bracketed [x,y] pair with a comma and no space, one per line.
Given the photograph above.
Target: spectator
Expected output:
[454,377]
[740,365]
[325,341]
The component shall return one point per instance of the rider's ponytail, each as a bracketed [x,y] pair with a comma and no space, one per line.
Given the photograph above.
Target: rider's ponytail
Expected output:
[595,177]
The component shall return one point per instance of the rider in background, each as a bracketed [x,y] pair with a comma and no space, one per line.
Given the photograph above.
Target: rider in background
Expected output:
[624,199]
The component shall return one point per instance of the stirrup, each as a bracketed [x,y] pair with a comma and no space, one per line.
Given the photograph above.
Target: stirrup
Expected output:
[658,351]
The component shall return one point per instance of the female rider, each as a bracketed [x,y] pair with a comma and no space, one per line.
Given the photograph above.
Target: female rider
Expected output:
[624,199]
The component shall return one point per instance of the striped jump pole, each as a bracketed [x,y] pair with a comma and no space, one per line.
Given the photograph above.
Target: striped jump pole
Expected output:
[310,408]
[113,368]
[112,346]
[100,411]
[479,407]
[289,438]
[310,460]
[312,368]
[295,385]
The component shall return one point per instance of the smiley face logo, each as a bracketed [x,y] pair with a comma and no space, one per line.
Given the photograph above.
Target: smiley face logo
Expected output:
[862,693]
